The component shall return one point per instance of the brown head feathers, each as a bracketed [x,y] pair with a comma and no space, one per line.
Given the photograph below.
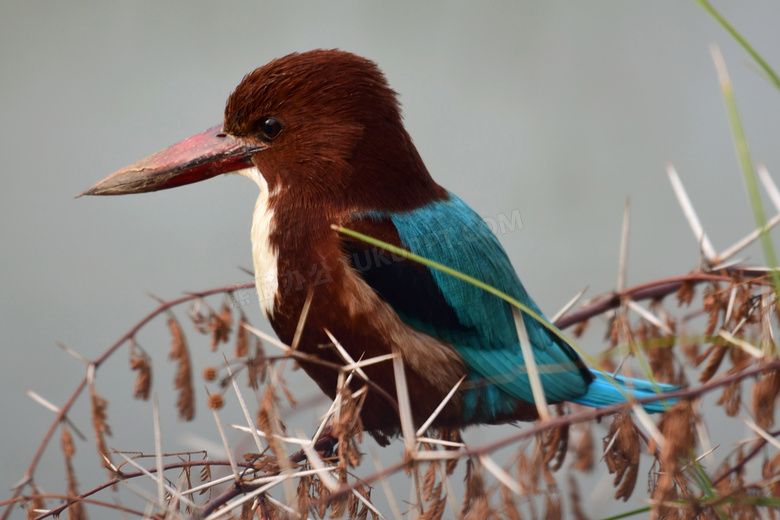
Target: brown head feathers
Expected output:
[340,141]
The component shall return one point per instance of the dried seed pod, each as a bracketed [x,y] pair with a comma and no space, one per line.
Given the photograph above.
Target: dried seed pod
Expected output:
[140,362]
[583,450]
[183,379]
[621,453]
[209,374]
[475,488]
[100,426]
[765,392]
[679,432]
[242,342]
[685,293]
[216,401]
[716,353]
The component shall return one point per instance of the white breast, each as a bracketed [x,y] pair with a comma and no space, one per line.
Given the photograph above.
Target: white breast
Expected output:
[264,254]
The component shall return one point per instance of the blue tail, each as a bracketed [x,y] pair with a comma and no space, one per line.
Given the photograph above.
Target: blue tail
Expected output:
[602,392]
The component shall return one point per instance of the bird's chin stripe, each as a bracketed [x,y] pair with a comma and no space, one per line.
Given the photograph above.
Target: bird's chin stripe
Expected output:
[264,254]
[252,173]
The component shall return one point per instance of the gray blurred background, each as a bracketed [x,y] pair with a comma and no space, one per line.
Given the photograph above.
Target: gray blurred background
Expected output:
[560,110]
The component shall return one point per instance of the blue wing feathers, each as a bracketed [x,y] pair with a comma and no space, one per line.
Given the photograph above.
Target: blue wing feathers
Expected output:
[451,233]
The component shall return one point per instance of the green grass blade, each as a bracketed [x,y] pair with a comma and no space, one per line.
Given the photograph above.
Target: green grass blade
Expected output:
[746,165]
[709,493]
[742,41]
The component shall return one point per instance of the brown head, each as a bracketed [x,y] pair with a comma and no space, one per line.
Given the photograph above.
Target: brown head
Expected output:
[323,128]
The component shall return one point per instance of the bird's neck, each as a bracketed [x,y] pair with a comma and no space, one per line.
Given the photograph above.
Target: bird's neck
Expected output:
[389,174]
[293,248]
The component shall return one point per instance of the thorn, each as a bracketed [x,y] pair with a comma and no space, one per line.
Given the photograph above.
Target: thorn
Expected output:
[693,220]
[537,390]
[566,308]
[769,185]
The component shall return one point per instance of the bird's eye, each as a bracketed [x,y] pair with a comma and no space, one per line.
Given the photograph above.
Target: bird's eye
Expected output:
[270,127]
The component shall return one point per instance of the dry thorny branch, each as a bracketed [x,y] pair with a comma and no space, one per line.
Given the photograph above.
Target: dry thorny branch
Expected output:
[734,356]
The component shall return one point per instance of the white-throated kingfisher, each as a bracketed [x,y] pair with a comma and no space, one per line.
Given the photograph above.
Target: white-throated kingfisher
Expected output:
[320,132]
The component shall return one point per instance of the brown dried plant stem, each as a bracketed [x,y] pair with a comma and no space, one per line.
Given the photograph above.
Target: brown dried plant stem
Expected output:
[653,290]
[107,505]
[72,399]
[649,291]
[55,512]
[564,420]
[324,446]
[759,445]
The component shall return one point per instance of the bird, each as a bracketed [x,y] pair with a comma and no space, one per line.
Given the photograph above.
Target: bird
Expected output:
[321,134]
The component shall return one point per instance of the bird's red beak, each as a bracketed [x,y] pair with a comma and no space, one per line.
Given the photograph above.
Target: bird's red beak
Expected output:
[198,158]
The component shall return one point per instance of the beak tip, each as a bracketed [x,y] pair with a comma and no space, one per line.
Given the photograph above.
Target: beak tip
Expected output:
[92,190]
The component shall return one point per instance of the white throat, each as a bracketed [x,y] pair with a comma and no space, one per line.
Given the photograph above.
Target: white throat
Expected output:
[264,255]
